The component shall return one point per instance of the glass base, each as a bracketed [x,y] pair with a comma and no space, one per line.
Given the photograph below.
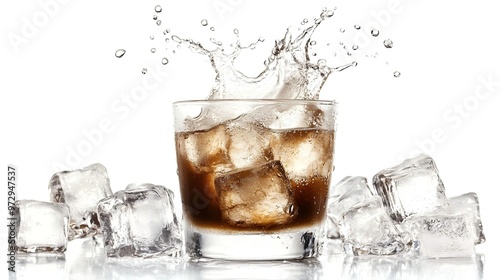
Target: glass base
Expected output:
[296,244]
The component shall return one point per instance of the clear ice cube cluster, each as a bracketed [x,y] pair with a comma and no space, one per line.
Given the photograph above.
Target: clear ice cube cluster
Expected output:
[139,221]
[406,211]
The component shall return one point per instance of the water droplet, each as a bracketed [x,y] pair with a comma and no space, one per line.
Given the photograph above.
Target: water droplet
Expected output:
[155,17]
[355,47]
[357,27]
[349,53]
[167,40]
[166,31]
[341,43]
[212,28]
[354,63]
[374,32]
[314,54]
[396,74]
[153,50]
[152,37]
[312,43]
[342,30]
[176,39]
[304,21]
[158,22]
[158,8]
[326,14]
[204,22]
[261,39]
[236,31]
[388,43]
[144,70]
[119,53]
[164,61]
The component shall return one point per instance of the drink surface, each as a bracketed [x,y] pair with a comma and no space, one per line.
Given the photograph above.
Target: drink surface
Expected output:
[204,157]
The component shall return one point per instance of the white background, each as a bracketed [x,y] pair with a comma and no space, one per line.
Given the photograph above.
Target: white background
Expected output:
[60,81]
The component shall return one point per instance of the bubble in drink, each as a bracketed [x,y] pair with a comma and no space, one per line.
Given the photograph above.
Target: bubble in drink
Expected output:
[204,22]
[158,9]
[388,43]
[375,32]
[164,61]
[396,74]
[120,53]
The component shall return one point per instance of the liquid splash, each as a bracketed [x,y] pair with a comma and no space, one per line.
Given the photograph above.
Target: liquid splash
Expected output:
[289,73]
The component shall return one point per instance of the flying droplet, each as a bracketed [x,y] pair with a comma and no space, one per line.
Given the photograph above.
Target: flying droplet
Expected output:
[212,28]
[342,30]
[388,43]
[236,31]
[312,43]
[153,50]
[204,22]
[355,47]
[304,21]
[166,31]
[158,8]
[152,37]
[164,61]
[357,27]
[354,63]
[144,70]
[326,13]
[374,32]
[120,53]
[167,40]
[155,17]
[158,22]
[396,74]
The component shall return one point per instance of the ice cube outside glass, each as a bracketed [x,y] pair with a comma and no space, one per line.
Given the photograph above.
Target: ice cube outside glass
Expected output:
[254,176]
[140,221]
[41,227]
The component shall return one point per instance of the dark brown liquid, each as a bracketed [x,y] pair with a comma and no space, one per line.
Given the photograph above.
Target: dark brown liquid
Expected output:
[201,206]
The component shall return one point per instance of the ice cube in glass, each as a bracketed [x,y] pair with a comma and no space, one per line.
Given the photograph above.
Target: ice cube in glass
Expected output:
[259,196]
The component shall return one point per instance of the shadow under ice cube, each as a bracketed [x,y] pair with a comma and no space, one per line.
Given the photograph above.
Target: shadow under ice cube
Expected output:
[41,226]
[81,190]
[256,196]
[140,221]
[412,187]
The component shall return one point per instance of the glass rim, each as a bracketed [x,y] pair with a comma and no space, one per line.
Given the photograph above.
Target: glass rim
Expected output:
[257,101]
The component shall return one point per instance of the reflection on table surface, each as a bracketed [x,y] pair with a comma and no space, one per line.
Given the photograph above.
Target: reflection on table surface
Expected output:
[83,260]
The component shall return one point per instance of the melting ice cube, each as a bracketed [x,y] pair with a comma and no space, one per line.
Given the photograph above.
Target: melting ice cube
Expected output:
[140,221]
[41,226]
[412,187]
[441,236]
[256,196]
[81,190]
[367,229]
[347,193]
